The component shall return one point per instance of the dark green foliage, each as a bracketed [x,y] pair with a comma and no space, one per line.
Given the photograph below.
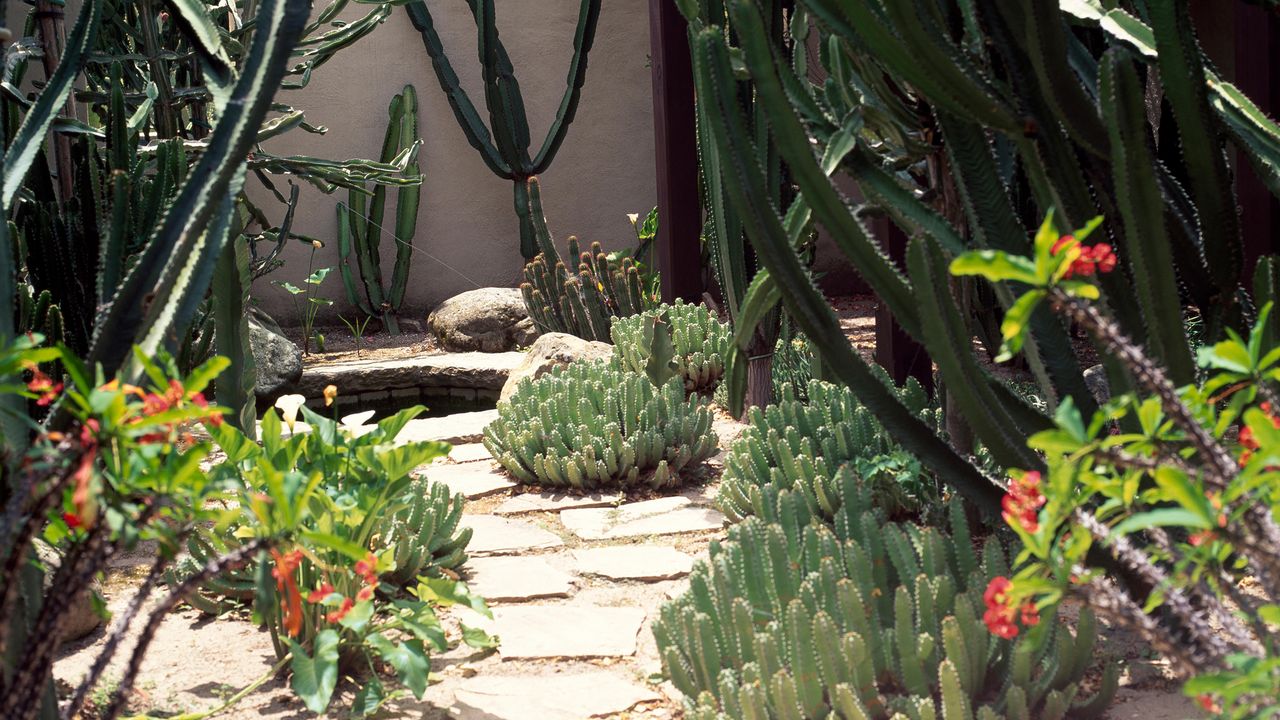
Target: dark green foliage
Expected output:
[699,343]
[589,425]
[581,304]
[862,619]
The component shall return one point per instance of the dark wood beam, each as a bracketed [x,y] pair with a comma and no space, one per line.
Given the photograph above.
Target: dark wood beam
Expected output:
[675,140]
[1257,42]
[896,351]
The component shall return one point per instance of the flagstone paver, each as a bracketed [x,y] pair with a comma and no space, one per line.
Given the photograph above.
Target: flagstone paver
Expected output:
[570,696]
[458,428]
[474,480]
[516,579]
[565,631]
[634,562]
[664,516]
[469,452]
[493,535]
[554,502]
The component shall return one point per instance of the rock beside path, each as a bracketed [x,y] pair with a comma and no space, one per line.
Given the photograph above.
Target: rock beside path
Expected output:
[551,351]
[485,319]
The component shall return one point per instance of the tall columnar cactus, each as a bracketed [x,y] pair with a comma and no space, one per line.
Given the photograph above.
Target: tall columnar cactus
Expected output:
[580,304]
[1027,106]
[506,150]
[862,620]
[590,424]
[803,446]
[699,341]
[360,227]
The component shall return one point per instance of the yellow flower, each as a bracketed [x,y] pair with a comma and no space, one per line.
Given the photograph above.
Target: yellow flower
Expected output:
[330,392]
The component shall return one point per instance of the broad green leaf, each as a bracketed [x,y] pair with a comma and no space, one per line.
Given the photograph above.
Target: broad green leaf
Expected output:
[1164,517]
[315,678]
[1015,325]
[357,619]
[409,659]
[995,265]
[477,638]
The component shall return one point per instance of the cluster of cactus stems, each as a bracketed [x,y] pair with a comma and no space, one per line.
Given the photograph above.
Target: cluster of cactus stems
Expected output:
[360,220]
[863,619]
[801,446]
[582,303]
[505,151]
[589,425]
[699,341]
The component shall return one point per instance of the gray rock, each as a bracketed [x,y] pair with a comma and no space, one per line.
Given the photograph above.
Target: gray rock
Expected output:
[1095,378]
[550,351]
[486,319]
[278,359]
[81,619]
[473,370]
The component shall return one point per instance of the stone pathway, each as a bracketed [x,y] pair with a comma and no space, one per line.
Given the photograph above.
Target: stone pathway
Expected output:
[574,582]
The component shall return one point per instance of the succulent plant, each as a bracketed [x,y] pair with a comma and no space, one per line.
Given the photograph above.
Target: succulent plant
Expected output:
[699,340]
[862,619]
[580,303]
[800,446]
[425,533]
[591,424]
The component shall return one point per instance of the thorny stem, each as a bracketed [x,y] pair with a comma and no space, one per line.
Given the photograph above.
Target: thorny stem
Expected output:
[1105,599]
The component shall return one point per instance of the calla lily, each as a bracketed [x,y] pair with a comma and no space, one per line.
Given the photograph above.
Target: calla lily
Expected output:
[633,217]
[288,405]
[355,421]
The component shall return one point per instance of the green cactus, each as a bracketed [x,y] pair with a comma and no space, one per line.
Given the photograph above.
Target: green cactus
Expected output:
[505,151]
[580,304]
[425,535]
[699,343]
[861,619]
[590,424]
[360,229]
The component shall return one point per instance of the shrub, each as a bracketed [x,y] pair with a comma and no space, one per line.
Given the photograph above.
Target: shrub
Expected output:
[590,424]
[800,446]
[700,342]
[867,620]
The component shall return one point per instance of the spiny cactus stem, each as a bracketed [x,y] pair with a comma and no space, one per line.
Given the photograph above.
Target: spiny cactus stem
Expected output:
[1108,601]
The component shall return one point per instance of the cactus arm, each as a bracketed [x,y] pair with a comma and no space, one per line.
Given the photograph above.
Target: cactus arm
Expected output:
[1047,49]
[371,252]
[501,90]
[808,307]
[583,37]
[28,141]
[230,289]
[182,251]
[1182,67]
[463,109]
[408,198]
[111,257]
[1253,132]
[1141,207]
[794,145]
[345,218]
[546,243]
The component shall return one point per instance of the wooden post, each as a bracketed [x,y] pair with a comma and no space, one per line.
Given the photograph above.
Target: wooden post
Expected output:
[675,140]
[1257,40]
[896,351]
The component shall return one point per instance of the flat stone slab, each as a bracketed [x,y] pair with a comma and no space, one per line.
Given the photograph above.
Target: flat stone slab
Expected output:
[553,502]
[516,579]
[458,428]
[475,370]
[493,535]
[565,631]
[568,696]
[664,516]
[474,480]
[634,562]
[469,452]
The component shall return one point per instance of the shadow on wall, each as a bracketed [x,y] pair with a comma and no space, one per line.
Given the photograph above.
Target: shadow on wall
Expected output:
[467,230]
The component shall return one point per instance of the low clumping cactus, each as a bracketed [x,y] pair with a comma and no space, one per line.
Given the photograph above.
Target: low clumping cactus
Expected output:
[700,342]
[863,619]
[800,446]
[591,424]
[425,533]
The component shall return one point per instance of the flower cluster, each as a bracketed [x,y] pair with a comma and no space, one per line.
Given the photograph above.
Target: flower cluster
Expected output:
[1248,441]
[42,385]
[284,570]
[1099,258]
[367,570]
[154,403]
[1001,616]
[1023,501]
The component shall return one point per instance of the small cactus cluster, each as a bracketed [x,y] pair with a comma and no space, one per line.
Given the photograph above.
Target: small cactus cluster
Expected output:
[800,446]
[700,341]
[581,304]
[590,424]
[425,533]
[862,620]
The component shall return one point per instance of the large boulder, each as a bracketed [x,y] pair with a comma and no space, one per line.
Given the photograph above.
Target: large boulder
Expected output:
[81,618]
[278,359]
[550,351]
[486,319]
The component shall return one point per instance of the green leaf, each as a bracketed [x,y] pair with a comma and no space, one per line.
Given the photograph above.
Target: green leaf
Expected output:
[446,592]
[318,276]
[1164,517]
[315,678]
[357,619]
[995,265]
[1178,487]
[409,658]
[477,638]
[290,288]
[1015,325]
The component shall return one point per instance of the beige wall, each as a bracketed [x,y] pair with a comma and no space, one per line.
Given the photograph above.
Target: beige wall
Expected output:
[603,171]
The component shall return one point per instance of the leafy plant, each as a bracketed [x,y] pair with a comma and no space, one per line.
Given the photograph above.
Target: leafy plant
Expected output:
[364,231]
[580,304]
[590,424]
[505,151]
[863,619]
[699,343]
[357,328]
[307,302]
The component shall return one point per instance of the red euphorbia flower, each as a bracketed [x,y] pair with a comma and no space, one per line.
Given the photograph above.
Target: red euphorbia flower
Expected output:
[1100,258]
[337,615]
[285,567]
[999,616]
[366,592]
[320,593]
[1023,501]
[44,385]
[1206,702]
[367,569]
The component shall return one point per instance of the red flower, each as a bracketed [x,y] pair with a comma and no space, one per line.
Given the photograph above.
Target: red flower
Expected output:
[366,592]
[1206,702]
[337,615]
[1100,258]
[367,569]
[72,520]
[44,385]
[999,614]
[320,593]
[214,418]
[1200,538]
[1030,615]
[1023,501]
[85,509]
[285,566]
